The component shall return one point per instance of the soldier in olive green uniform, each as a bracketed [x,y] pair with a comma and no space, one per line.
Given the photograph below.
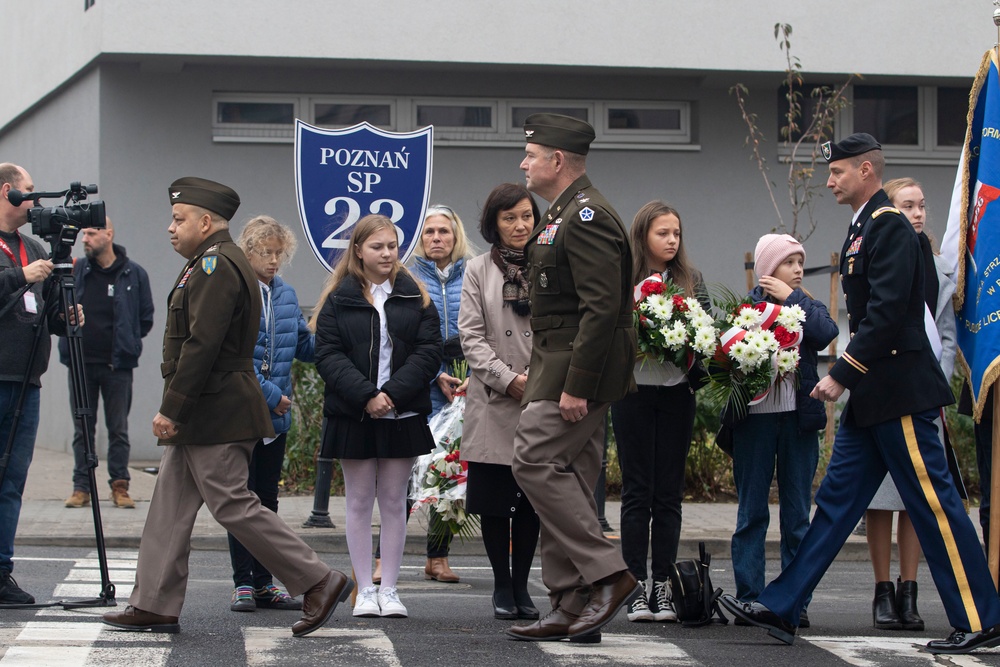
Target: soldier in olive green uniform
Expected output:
[211,416]
[582,358]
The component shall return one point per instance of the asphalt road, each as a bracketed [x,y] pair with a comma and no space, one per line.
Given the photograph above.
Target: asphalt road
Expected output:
[448,625]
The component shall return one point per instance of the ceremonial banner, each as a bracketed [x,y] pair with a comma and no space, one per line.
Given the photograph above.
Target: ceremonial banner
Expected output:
[343,175]
[978,294]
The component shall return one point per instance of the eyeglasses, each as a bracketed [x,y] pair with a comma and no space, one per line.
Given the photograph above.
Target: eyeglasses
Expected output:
[268,254]
[440,208]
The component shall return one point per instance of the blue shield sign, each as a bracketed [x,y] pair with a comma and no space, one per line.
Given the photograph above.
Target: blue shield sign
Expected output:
[343,175]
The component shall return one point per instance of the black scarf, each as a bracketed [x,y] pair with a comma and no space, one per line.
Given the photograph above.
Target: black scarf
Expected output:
[515,286]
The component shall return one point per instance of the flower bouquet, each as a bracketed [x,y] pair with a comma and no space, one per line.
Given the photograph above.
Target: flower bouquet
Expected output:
[439,478]
[672,327]
[759,348]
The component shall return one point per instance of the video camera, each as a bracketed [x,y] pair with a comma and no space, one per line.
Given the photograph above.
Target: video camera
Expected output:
[59,225]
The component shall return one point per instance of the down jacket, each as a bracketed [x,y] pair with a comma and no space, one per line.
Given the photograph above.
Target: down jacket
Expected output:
[291,340]
[347,346]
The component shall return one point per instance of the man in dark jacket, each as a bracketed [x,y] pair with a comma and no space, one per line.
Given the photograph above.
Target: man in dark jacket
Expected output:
[24,267]
[212,414]
[897,390]
[115,292]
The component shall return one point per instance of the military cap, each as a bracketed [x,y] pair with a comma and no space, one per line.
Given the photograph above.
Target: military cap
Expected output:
[558,131]
[207,194]
[856,144]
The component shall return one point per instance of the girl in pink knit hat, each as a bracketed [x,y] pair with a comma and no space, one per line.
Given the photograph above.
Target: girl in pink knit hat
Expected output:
[781,431]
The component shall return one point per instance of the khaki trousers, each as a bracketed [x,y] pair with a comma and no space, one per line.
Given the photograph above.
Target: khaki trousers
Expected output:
[557,464]
[214,475]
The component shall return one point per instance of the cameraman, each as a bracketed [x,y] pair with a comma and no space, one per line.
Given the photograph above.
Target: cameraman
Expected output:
[22,262]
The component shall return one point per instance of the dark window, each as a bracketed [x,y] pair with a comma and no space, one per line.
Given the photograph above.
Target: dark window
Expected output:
[270,113]
[809,95]
[455,115]
[87,4]
[888,113]
[952,114]
[644,119]
[519,114]
[345,115]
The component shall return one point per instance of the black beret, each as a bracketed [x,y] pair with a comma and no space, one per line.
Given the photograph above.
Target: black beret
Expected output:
[856,144]
[558,131]
[207,194]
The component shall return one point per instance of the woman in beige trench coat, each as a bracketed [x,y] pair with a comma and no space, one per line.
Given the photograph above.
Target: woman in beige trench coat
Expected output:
[494,323]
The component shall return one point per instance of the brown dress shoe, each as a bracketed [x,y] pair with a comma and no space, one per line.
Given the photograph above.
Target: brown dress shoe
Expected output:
[550,628]
[377,574]
[137,620]
[119,494]
[605,601]
[78,499]
[437,568]
[320,601]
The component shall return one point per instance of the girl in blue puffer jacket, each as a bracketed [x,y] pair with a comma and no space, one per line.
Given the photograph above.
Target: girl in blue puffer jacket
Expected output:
[283,336]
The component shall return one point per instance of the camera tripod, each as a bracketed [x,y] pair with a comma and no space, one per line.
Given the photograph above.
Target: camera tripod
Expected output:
[60,292]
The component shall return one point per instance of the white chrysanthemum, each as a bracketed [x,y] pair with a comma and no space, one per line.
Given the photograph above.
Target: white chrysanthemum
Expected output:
[748,318]
[702,320]
[704,340]
[762,341]
[787,360]
[662,311]
[693,304]
[792,317]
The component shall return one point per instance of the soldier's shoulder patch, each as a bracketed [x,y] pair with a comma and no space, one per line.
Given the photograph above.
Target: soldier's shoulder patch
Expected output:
[587,214]
[208,264]
[885,209]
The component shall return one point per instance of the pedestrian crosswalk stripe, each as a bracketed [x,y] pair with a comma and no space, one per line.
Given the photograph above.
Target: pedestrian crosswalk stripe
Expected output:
[352,646]
[616,649]
[870,651]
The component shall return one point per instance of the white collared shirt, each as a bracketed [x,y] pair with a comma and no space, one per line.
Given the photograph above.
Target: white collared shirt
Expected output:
[380,293]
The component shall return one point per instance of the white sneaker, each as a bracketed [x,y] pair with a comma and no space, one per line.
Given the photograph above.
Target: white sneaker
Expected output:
[367,603]
[664,602]
[388,601]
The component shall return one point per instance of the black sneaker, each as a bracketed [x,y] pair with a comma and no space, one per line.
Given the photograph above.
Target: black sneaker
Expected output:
[11,593]
[638,610]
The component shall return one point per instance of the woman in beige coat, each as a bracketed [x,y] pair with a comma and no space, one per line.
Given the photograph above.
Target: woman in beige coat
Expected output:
[494,323]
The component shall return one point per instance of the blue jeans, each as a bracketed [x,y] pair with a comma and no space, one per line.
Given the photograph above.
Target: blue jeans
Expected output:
[653,434]
[115,389]
[21,451]
[760,441]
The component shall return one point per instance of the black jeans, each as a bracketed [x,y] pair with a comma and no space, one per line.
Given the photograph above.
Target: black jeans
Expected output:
[653,434]
[114,388]
[265,473]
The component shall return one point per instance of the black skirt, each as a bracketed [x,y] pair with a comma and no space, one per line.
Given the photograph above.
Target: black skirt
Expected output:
[492,490]
[377,438]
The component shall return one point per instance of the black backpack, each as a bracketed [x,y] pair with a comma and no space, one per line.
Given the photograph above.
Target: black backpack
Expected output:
[695,601]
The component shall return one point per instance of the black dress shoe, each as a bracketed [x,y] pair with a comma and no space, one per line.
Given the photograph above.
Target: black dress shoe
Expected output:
[504,612]
[527,612]
[550,628]
[965,642]
[884,616]
[757,614]
[906,606]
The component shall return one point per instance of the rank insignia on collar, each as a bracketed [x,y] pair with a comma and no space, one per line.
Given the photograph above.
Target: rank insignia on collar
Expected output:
[587,214]
[208,264]
[213,247]
[184,278]
[558,221]
[855,247]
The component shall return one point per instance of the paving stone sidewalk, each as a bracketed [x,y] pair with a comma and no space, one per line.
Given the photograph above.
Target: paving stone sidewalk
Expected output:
[45,521]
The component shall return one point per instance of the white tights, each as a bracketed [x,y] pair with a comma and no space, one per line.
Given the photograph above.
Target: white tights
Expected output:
[363,480]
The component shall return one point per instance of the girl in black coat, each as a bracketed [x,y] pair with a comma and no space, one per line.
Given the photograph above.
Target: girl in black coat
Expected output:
[378,347]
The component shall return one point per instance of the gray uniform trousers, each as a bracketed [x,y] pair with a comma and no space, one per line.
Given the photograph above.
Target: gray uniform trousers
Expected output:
[214,475]
[557,463]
